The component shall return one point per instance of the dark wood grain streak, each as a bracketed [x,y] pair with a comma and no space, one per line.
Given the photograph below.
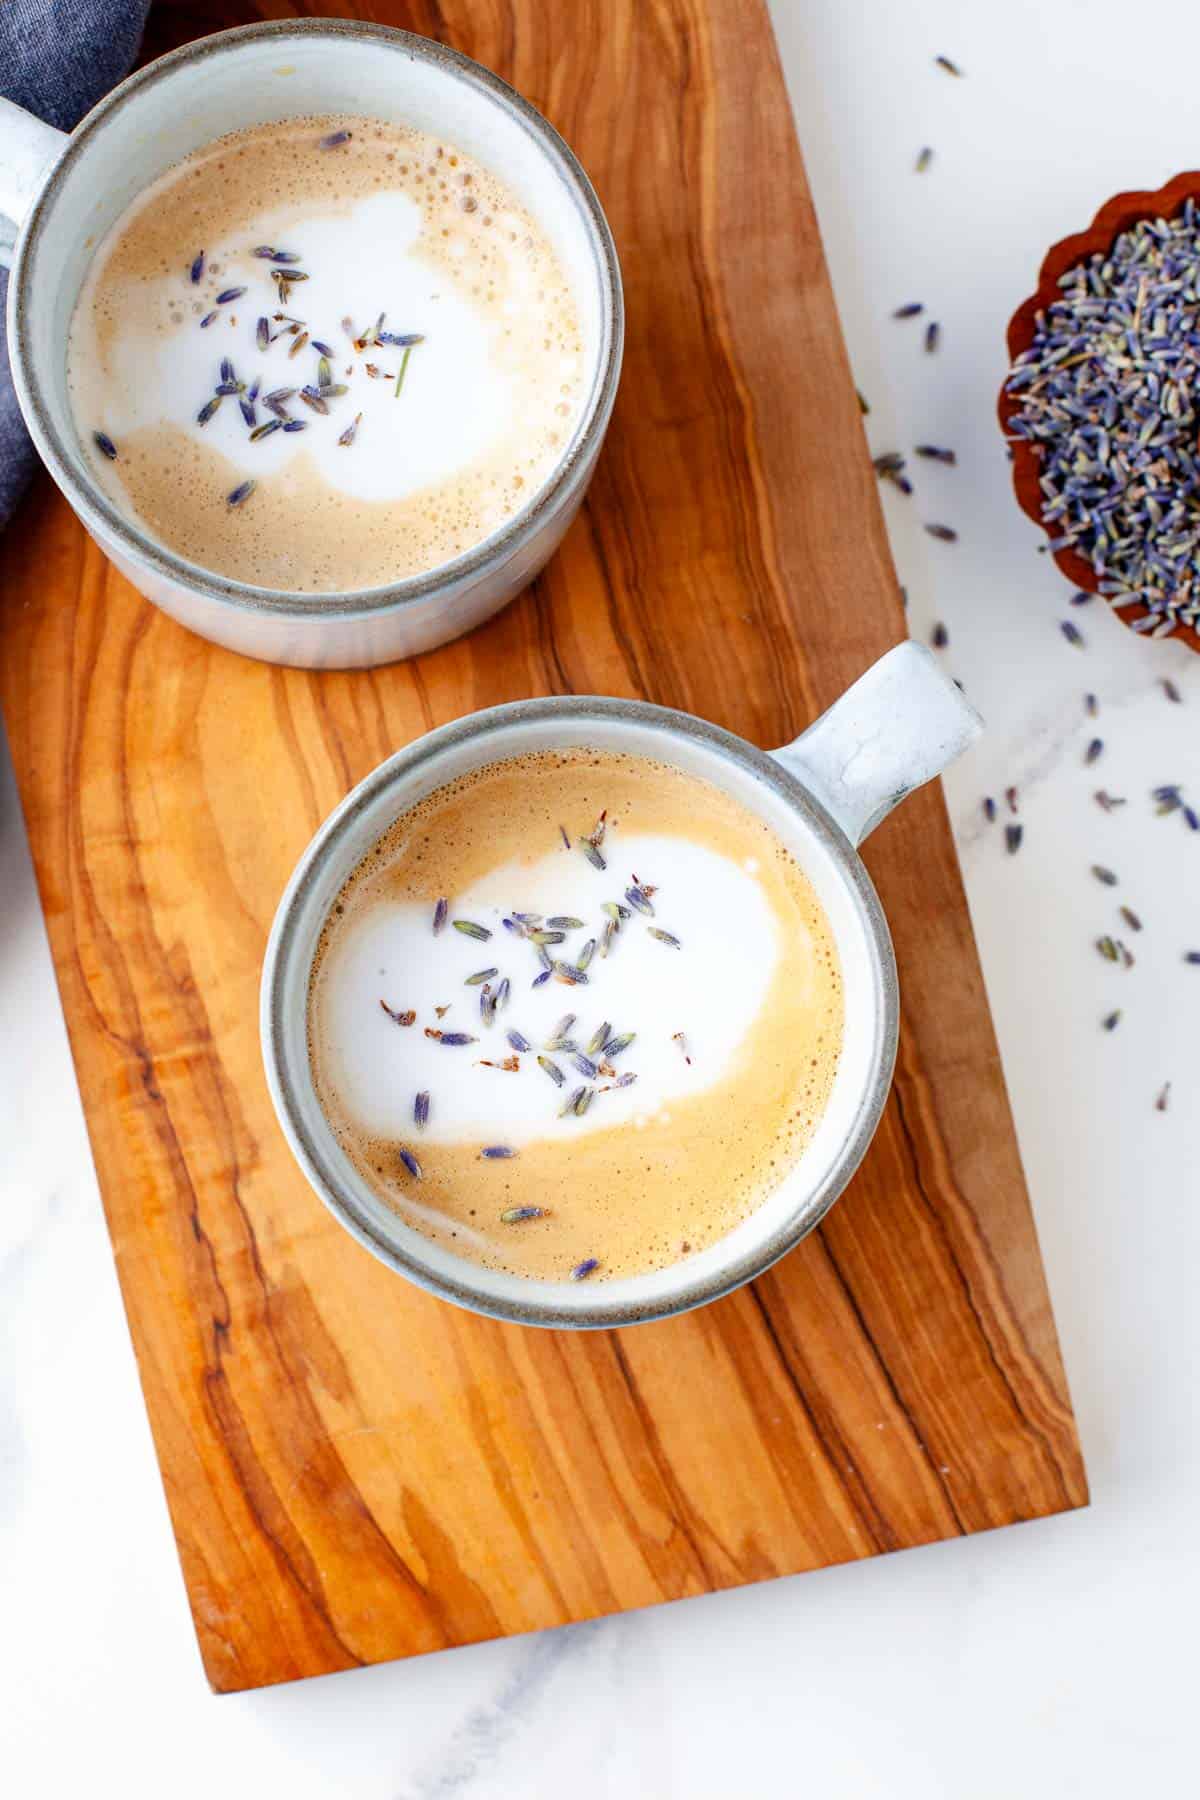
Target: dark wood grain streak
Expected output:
[354,1470]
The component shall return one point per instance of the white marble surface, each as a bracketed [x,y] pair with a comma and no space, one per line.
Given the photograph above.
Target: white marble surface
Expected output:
[1054,1658]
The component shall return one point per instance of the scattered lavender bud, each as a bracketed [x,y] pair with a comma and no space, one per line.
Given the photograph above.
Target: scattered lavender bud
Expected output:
[944,533]
[933,334]
[1012,838]
[1131,918]
[519,1042]
[1071,632]
[230,294]
[421,1109]
[240,493]
[1164,1097]
[1093,752]
[582,1270]
[516,1215]
[939,637]
[105,445]
[1171,691]
[909,311]
[1111,1020]
[924,158]
[399,1018]
[951,68]
[1104,875]
[989,809]
[469,929]
[1091,705]
[933,453]
[197,268]
[498,1152]
[410,1162]
[207,320]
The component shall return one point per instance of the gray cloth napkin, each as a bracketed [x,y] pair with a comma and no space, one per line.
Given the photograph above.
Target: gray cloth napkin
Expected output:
[57,58]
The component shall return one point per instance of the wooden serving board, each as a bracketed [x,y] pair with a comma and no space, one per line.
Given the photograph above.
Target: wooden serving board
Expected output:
[355,1470]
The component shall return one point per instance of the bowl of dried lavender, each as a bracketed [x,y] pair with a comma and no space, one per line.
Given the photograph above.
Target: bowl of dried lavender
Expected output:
[1101,407]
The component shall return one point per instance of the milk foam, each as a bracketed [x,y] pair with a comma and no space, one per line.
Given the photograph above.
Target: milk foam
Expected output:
[651,1171]
[392,222]
[644,986]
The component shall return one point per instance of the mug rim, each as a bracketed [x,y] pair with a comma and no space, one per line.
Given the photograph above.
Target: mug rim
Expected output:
[69,468]
[280,975]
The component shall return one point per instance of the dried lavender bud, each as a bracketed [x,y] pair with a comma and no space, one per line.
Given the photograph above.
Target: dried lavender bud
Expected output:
[1103,398]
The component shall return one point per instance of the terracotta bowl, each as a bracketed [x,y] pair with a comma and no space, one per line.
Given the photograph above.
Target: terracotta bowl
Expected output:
[1114,217]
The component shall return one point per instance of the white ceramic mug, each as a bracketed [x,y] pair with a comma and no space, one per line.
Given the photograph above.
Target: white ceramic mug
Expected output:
[59,195]
[897,727]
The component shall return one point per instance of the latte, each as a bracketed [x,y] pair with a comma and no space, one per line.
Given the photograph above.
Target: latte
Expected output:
[577,1013]
[324,354]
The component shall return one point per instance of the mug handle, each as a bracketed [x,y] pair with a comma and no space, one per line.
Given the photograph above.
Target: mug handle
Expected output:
[901,724]
[28,151]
